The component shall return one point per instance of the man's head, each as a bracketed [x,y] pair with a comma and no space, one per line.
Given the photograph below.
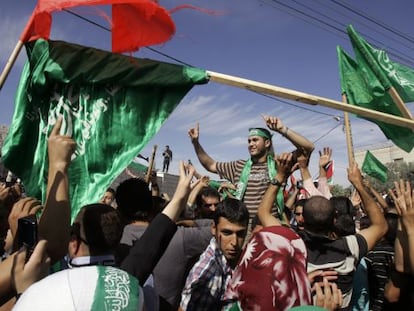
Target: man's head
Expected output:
[108,197]
[298,211]
[319,215]
[343,206]
[206,201]
[259,142]
[230,227]
[97,229]
[134,200]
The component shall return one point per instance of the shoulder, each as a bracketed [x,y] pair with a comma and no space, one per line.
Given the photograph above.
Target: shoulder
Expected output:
[356,244]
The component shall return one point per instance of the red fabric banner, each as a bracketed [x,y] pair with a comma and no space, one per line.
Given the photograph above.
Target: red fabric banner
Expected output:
[135,23]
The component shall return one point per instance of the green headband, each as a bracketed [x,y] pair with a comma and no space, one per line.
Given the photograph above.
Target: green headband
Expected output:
[254,131]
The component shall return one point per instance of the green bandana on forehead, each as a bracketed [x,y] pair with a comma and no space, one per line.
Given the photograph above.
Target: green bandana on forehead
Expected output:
[255,131]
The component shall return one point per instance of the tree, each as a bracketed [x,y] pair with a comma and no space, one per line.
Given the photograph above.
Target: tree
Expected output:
[338,190]
[396,170]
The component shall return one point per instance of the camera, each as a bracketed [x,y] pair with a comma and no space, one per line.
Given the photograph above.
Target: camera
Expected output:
[27,235]
[299,184]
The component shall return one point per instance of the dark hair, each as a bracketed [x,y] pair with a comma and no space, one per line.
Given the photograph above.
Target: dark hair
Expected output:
[318,215]
[134,199]
[389,201]
[256,222]
[111,190]
[392,221]
[364,222]
[343,206]
[300,202]
[207,191]
[344,225]
[233,210]
[99,226]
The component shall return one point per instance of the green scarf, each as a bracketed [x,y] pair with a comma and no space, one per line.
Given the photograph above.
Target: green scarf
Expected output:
[244,177]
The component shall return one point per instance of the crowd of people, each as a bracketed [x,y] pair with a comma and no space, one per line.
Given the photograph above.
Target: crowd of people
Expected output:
[248,243]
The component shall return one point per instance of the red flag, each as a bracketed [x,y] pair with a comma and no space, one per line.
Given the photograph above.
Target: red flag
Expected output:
[135,23]
[329,172]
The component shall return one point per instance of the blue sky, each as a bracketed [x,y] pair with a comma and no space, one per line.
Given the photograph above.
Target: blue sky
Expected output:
[259,40]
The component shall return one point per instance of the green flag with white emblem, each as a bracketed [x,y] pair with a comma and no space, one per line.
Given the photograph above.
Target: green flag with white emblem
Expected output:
[112,105]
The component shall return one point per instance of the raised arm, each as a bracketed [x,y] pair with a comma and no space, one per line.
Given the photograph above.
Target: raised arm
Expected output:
[381,201]
[325,156]
[208,163]
[147,251]
[404,244]
[379,225]
[300,142]
[54,224]
[264,212]
[308,185]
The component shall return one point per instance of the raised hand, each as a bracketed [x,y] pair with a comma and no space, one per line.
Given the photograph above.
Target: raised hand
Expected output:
[404,202]
[284,165]
[22,208]
[273,123]
[193,133]
[330,297]
[325,156]
[25,274]
[354,174]
[60,147]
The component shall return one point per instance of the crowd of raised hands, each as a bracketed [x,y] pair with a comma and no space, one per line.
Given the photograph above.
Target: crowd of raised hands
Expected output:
[18,270]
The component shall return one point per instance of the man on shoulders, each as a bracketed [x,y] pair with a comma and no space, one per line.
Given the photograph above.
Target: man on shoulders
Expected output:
[253,176]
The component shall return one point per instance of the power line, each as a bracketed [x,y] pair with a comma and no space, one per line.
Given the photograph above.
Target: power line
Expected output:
[109,30]
[327,133]
[362,22]
[294,14]
[391,51]
[291,104]
[265,95]
[371,19]
[184,63]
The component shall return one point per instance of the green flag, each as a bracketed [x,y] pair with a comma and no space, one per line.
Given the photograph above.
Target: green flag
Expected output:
[388,72]
[364,89]
[112,106]
[138,167]
[374,168]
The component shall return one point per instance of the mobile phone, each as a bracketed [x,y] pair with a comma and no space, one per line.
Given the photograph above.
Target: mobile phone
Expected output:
[27,234]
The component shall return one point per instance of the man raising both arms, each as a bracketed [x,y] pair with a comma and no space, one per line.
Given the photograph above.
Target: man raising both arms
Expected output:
[253,176]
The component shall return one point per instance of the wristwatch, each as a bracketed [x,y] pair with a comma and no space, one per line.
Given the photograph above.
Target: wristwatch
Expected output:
[275,182]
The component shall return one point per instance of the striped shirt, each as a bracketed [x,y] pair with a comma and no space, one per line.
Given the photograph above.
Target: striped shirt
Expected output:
[380,261]
[257,183]
[341,255]
[207,281]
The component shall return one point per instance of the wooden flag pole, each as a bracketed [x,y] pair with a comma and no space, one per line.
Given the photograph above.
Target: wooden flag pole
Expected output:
[16,51]
[151,164]
[307,98]
[10,62]
[399,103]
[348,134]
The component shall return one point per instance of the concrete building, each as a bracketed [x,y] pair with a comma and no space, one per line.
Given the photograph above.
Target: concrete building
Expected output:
[386,153]
[3,132]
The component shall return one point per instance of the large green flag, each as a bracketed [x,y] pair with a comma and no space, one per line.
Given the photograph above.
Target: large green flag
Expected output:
[374,168]
[364,89]
[112,106]
[388,72]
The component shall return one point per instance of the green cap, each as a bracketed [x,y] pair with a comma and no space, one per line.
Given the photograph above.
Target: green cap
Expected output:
[258,131]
